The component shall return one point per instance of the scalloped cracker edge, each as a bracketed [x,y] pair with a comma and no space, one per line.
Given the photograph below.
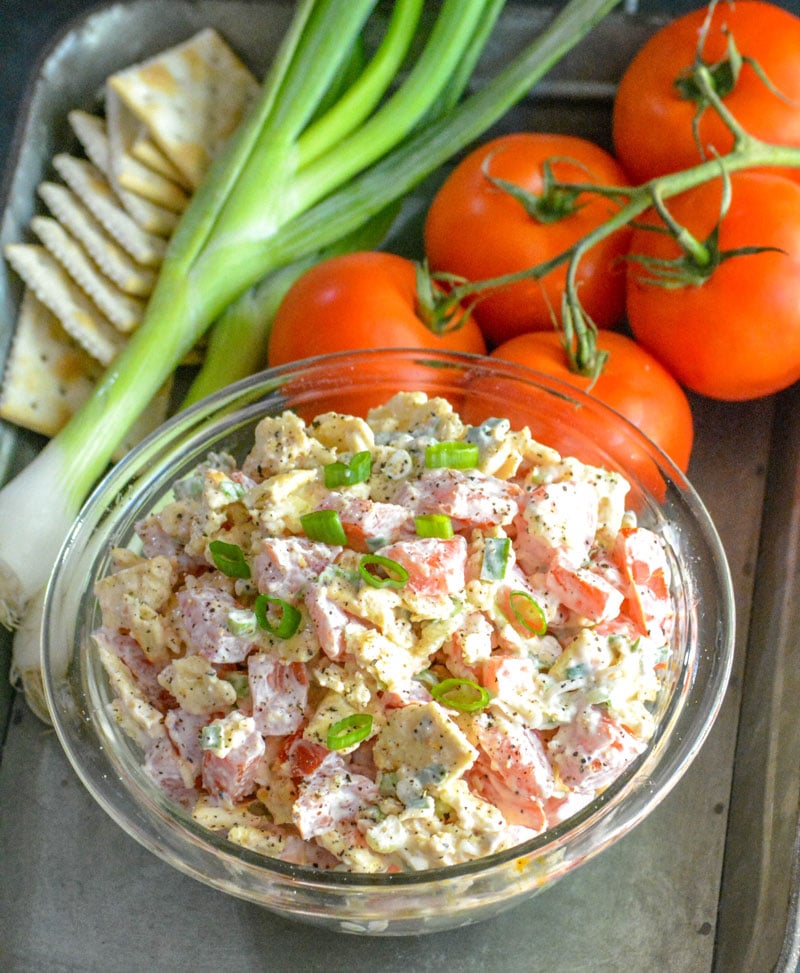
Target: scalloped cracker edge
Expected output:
[120,268]
[48,375]
[190,99]
[53,286]
[151,199]
[92,188]
[122,310]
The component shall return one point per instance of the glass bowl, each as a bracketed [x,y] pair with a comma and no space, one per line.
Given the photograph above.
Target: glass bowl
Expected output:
[110,765]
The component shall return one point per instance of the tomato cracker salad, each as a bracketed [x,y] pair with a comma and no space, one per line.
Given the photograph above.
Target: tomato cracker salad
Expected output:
[390,644]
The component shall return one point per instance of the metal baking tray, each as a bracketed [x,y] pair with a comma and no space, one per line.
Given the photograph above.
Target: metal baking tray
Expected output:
[709,882]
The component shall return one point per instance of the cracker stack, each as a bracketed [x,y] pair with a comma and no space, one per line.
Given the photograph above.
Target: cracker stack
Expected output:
[110,212]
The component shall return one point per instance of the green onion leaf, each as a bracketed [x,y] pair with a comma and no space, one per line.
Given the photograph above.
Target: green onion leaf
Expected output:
[457,455]
[325,526]
[461,694]
[239,681]
[528,612]
[358,470]
[229,558]
[427,677]
[578,671]
[352,729]
[231,489]
[241,622]
[211,736]
[396,574]
[434,525]
[288,622]
[495,558]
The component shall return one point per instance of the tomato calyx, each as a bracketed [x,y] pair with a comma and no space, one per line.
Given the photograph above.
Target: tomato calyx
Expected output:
[555,202]
[699,259]
[723,74]
[439,307]
[707,84]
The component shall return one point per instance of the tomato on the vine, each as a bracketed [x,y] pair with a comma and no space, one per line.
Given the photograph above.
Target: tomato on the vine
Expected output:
[736,333]
[366,299]
[632,383]
[656,102]
[477,229]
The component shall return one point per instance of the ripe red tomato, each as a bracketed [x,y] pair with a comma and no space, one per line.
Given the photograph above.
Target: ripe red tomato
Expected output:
[633,383]
[652,119]
[479,231]
[737,334]
[366,299]
[359,300]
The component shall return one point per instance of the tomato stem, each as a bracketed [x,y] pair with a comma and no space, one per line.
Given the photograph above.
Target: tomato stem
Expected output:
[707,84]
[577,329]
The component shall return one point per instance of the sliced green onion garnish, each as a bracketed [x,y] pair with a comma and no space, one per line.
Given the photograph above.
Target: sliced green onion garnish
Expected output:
[461,694]
[434,525]
[239,681]
[352,729]
[241,622]
[396,574]
[456,455]
[325,526]
[231,489]
[495,558]
[578,671]
[528,612]
[427,677]
[288,622]
[211,736]
[229,558]
[346,474]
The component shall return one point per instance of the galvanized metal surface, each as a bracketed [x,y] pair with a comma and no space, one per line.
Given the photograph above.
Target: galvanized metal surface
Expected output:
[707,883]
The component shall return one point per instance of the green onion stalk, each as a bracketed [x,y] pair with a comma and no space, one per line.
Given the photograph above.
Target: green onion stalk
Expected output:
[290,183]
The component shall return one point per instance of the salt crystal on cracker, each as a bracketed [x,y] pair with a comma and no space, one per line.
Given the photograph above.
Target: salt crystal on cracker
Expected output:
[53,286]
[145,194]
[191,98]
[122,310]
[88,183]
[113,261]
[48,375]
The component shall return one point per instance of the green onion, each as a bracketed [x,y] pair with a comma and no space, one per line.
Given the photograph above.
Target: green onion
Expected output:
[528,612]
[325,526]
[279,192]
[434,525]
[352,729]
[211,736]
[396,574]
[241,622]
[358,470]
[231,489]
[456,455]
[238,342]
[427,677]
[288,620]
[239,681]
[461,694]
[495,558]
[578,671]
[229,558]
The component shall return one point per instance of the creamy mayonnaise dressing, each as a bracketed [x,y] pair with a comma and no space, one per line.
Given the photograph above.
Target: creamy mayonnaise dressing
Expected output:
[462,653]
